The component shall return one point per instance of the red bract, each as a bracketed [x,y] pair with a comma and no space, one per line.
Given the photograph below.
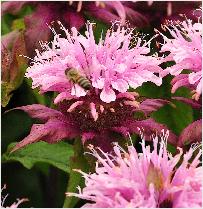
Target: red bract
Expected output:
[191,134]
[115,117]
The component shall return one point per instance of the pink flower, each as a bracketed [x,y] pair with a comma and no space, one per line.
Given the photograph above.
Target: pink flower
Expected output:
[112,65]
[15,204]
[148,179]
[185,49]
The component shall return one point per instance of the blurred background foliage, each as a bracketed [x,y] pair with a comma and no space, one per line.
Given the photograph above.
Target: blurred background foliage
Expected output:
[37,177]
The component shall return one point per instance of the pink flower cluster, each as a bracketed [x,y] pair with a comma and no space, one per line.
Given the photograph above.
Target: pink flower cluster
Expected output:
[148,179]
[112,65]
[185,49]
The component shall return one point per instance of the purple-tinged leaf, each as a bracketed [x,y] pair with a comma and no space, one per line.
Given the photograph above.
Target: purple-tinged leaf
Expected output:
[119,8]
[8,39]
[189,101]
[122,130]
[149,127]
[36,27]
[191,134]
[74,19]
[41,112]
[101,13]
[12,7]
[19,63]
[150,105]
[86,136]
[13,68]
[135,18]
[52,131]
[6,59]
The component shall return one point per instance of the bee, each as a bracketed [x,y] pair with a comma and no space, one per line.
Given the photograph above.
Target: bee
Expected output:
[74,76]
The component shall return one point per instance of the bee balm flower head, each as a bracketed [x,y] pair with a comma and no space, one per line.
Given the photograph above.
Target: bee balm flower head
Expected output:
[148,179]
[185,49]
[108,68]
[112,65]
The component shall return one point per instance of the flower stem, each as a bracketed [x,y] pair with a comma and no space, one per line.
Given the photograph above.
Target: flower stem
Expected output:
[78,161]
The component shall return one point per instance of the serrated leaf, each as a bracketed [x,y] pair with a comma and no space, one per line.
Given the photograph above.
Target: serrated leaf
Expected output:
[57,155]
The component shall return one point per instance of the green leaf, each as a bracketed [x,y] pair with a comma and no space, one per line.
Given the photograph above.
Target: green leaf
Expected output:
[6,22]
[40,98]
[16,125]
[6,93]
[176,118]
[57,155]
[18,24]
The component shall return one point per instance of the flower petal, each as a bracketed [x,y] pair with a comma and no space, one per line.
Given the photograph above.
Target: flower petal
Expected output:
[62,96]
[74,105]
[12,7]
[107,95]
[78,91]
[120,85]
[94,111]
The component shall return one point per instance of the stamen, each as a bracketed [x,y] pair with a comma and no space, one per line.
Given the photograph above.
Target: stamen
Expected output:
[132,103]
[79,7]
[74,105]
[101,107]
[169,8]
[112,110]
[21,55]
[196,146]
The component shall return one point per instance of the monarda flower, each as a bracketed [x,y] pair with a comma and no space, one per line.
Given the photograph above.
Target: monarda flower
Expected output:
[185,48]
[156,179]
[111,66]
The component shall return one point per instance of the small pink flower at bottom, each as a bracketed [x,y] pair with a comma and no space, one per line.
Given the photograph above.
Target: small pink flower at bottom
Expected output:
[148,179]
[15,204]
